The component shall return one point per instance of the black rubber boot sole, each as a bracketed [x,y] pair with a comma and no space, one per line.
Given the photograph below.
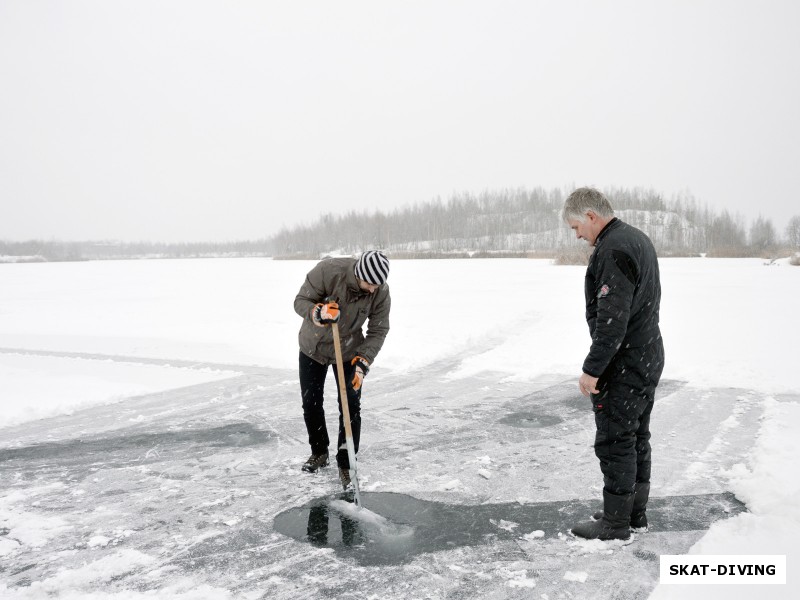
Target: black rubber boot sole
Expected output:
[600,530]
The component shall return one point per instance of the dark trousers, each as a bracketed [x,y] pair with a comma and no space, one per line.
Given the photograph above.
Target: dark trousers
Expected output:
[622,416]
[312,387]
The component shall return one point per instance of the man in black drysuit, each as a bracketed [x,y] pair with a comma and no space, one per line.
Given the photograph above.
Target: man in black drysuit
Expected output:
[625,361]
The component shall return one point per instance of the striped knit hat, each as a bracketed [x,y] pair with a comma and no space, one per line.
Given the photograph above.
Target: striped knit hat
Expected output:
[373,267]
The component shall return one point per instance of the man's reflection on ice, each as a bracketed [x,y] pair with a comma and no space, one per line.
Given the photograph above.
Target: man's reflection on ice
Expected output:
[319,527]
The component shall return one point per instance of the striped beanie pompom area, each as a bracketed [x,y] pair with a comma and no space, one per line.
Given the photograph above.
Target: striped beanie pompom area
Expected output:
[373,267]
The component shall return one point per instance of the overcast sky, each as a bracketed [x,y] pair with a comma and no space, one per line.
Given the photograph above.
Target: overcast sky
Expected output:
[199,120]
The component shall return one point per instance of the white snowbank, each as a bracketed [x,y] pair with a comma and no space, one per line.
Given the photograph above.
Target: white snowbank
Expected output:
[770,487]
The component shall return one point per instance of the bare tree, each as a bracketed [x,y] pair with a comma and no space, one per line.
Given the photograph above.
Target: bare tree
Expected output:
[726,236]
[763,238]
[793,232]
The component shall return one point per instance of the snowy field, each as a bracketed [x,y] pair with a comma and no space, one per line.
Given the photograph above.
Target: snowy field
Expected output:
[151,434]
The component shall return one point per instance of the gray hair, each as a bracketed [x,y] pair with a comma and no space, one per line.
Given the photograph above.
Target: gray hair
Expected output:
[584,200]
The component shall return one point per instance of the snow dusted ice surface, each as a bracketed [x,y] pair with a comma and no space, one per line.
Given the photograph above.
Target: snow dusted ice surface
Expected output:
[474,432]
[42,385]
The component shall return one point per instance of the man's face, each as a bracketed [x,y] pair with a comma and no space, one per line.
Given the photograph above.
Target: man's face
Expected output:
[587,229]
[367,287]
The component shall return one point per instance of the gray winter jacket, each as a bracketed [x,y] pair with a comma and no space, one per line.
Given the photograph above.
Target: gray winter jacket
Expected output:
[335,278]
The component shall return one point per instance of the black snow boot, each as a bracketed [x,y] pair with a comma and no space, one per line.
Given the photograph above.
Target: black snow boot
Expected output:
[638,514]
[614,523]
[314,462]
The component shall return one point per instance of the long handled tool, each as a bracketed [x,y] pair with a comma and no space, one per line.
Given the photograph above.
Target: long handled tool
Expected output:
[348,430]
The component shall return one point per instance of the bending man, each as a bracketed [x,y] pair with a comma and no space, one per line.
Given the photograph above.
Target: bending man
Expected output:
[350,292]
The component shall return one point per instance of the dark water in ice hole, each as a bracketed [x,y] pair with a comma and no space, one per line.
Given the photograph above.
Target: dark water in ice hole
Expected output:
[413,526]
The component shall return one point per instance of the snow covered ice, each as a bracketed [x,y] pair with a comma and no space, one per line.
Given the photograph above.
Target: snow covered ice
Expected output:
[151,434]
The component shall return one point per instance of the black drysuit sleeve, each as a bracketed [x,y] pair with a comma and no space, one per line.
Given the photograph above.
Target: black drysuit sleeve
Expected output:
[609,308]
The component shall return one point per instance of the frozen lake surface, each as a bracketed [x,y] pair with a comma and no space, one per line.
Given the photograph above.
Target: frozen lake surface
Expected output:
[476,452]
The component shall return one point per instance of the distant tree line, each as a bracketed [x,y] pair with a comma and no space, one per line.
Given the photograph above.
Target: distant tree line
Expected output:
[527,222]
[53,251]
[509,222]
